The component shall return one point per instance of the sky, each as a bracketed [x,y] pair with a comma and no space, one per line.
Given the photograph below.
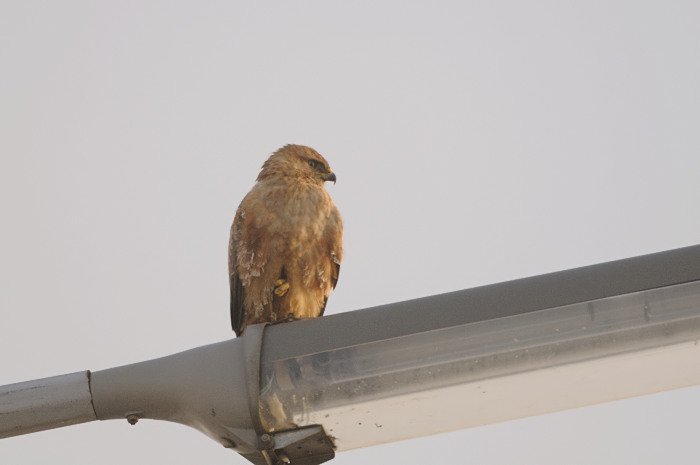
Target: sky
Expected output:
[474,142]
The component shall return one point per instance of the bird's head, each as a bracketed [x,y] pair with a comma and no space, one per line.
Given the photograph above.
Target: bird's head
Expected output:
[299,162]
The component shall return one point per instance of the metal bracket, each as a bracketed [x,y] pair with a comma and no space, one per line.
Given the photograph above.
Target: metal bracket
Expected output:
[252,347]
[301,446]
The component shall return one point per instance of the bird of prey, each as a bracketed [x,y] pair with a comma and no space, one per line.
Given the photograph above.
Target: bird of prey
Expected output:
[286,241]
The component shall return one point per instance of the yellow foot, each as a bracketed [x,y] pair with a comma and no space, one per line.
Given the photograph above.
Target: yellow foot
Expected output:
[281,287]
[290,317]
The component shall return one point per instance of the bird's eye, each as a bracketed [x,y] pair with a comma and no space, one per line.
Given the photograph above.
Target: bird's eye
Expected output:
[314,164]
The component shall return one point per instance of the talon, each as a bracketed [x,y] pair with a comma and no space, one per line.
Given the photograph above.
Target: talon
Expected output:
[281,287]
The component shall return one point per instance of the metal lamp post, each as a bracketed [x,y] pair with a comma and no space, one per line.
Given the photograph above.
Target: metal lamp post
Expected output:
[298,392]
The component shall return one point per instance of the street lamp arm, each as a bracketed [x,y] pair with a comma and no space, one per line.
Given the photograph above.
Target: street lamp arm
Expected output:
[46,403]
[297,392]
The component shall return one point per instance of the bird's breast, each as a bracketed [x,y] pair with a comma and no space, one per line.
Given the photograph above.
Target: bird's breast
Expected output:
[299,215]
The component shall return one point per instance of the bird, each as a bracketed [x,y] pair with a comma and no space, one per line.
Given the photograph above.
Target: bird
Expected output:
[285,246]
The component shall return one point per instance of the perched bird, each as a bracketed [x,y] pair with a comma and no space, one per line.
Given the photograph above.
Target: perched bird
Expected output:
[286,241]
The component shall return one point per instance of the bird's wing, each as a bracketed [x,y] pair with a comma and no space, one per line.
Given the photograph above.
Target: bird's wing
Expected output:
[334,240]
[334,281]
[236,287]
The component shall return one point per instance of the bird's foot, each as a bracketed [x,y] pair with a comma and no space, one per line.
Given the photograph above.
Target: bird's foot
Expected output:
[277,320]
[281,287]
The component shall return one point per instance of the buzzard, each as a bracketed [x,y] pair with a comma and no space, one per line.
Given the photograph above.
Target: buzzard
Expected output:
[286,241]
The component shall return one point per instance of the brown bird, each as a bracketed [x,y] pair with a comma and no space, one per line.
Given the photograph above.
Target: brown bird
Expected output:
[286,241]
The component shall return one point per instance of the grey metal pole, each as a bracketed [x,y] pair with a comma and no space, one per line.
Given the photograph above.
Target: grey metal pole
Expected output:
[296,392]
[45,403]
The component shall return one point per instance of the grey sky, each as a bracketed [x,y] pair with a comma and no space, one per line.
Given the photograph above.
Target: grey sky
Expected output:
[474,142]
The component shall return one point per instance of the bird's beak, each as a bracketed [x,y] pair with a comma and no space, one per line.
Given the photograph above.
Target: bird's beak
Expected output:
[330,177]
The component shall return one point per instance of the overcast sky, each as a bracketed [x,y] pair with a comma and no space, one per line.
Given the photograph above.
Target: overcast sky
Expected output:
[474,143]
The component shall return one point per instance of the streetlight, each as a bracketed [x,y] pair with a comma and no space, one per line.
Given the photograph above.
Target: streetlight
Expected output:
[298,392]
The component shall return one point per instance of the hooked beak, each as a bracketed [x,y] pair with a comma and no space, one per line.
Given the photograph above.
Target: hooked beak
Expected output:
[330,177]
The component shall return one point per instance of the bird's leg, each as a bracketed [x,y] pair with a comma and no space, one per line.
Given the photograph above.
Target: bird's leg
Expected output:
[281,287]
